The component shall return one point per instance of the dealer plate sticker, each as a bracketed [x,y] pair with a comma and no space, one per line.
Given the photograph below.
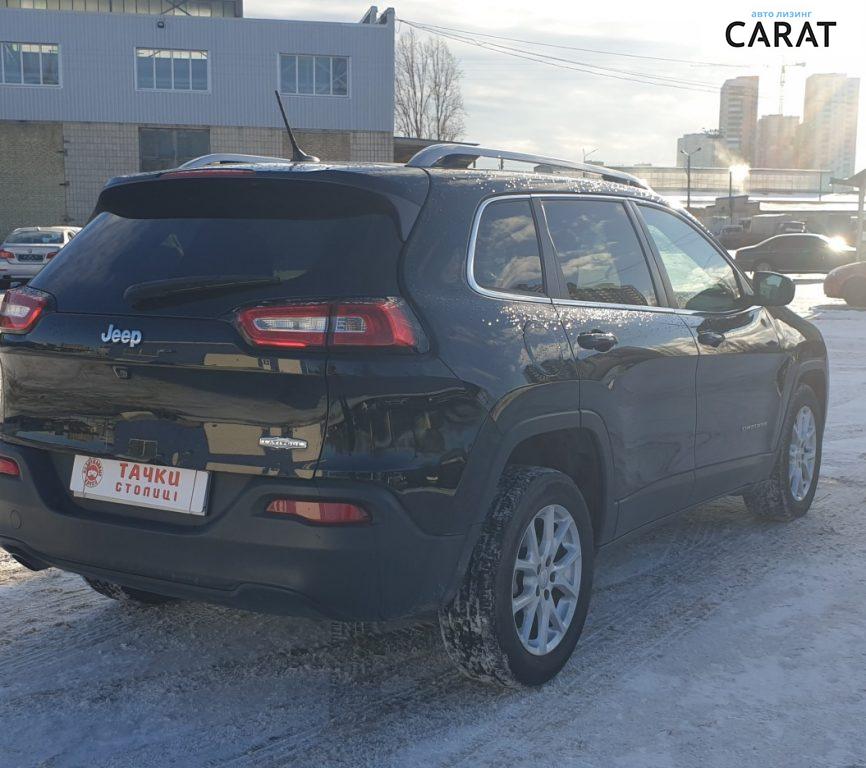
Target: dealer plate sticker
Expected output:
[142,485]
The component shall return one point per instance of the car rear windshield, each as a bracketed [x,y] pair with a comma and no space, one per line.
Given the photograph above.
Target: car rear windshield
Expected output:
[35,237]
[289,240]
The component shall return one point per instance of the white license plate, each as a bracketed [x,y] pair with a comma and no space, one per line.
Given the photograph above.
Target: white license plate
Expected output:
[142,485]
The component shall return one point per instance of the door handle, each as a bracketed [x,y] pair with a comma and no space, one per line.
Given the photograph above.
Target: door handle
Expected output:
[710,338]
[597,340]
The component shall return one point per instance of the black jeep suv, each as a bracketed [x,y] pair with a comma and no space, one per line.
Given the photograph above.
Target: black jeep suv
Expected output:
[370,391]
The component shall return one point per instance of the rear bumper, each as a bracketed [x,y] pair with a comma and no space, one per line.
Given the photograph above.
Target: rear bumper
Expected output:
[12,271]
[237,555]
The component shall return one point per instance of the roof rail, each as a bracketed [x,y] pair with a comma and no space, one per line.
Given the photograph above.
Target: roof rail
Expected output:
[228,159]
[461,155]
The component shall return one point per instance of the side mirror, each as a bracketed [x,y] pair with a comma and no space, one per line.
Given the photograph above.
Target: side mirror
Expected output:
[773,289]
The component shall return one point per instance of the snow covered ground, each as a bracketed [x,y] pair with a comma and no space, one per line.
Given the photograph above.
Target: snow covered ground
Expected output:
[713,641]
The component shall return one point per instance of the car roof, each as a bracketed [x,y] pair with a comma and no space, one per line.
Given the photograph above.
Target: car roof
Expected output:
[518,181]
[787,236]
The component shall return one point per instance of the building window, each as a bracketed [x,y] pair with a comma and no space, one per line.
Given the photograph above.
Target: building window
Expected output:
[29,64]
[167,70]
[161,148]
[314,75]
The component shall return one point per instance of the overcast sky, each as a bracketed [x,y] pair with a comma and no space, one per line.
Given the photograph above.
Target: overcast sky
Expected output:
[526,105]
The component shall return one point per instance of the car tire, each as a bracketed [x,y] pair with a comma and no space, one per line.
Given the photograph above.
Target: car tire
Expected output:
[783,497]
[128,594]
[854,292]
[480,626]
[763,266]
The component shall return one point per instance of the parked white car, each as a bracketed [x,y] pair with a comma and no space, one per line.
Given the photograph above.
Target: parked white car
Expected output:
[27,249]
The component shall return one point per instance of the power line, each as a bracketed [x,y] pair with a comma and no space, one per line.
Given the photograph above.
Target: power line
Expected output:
[568,64]
[575,48]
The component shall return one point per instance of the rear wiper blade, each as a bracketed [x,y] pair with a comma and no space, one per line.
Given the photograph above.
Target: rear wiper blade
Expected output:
[180,288]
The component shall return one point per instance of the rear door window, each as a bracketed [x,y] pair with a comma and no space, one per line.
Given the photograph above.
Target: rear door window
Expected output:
[599,252]
[507,257]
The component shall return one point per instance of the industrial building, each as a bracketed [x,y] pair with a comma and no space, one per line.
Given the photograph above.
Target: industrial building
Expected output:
[91,89]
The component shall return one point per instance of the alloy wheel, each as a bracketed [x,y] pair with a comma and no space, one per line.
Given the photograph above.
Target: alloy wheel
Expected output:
[802,452]
[545,583]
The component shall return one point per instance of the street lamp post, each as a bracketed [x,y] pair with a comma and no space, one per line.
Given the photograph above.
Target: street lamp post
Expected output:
[689,176]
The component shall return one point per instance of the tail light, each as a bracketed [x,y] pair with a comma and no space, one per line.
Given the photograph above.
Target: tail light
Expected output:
[298,326]
[49,256]
[9,467]
[21,308]
[6,255]
[324,512]
[377,324]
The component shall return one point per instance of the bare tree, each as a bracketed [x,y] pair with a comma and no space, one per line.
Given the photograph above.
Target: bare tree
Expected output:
[427,99]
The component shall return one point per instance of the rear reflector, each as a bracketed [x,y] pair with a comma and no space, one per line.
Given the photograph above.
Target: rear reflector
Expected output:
[9,467]
[374,323]
[325,512]
[21,308]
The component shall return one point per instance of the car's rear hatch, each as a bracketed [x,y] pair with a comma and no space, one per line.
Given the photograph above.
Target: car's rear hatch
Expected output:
[139,354]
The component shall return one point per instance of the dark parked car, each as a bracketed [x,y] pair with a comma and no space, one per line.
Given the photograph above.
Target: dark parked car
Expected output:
[848,282]
[795,253]
[369,392]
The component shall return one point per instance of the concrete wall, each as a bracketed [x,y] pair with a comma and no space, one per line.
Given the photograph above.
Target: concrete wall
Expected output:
[31,175]
[52,173]
[361,146]
[372,146]
[94,153]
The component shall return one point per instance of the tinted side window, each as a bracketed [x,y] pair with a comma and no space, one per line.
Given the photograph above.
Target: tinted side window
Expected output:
[599,252]
[700,277]
[814,245]
[784,245]
[507,257]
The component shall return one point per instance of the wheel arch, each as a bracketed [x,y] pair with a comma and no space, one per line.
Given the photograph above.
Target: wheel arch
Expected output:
[539,441]
[815,376]
[578,446]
